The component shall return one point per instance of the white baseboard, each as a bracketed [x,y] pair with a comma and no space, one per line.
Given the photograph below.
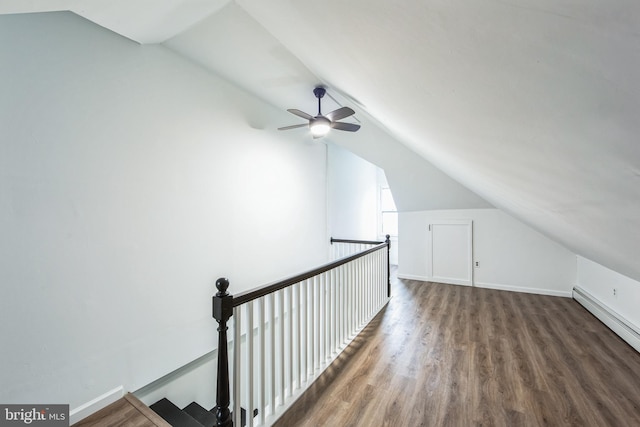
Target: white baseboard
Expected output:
[83,411]
[433,279]
[511,288]
[413,277]
[618,324]
[450,281]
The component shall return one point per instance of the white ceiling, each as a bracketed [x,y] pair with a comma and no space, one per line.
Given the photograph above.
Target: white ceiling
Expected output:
[533,105]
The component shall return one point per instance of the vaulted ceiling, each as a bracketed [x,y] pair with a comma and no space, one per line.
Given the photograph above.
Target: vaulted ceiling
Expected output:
[531,105]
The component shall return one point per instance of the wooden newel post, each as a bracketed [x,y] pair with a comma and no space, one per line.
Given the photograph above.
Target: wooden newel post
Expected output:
[222,311]
[388,242]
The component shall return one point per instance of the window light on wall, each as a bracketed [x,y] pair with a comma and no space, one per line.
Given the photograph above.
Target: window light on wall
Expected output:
[389,212]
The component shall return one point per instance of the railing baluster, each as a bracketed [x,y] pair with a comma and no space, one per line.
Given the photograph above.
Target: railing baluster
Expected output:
[329,313]
[332,327]
[363,290]
[308,315]
[281,343]
[298,335]
[378,263]
[345,304]
[338,309]
[314,320]
[315,325]
[374,282]
[330,333]
[365,303]
[345,278]
[317,284]
[370,285]
[379,272]
[358,292]
[321,319]
[303,332]
[376,271]
[323,316]
[262,366]
[369,293]
[347,274]
[237,364]
[290,367]
[336,277]
[272,351]
[381,275]
[302,344]
[354,283]
[327,310]
[309,325]
[367,285]
[249,360]
[327,279]
[343,308]
[312,326]
[340,306]
[347,299]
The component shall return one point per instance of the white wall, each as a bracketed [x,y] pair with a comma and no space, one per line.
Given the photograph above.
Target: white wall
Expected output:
[511,255]
[353,196]
[600,282]
[130,180]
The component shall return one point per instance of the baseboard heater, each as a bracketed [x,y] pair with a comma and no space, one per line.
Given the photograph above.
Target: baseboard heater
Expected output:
[613,320]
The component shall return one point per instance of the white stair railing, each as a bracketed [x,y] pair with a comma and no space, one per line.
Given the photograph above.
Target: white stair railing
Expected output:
[286,333]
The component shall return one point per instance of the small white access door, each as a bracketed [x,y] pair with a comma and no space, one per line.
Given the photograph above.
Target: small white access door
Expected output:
[451,254]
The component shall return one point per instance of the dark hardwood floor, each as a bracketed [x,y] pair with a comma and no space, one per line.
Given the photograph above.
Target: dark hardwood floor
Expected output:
[444,355]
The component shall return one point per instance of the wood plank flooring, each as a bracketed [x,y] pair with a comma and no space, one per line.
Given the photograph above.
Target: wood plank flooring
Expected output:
[125,412]
[444,355]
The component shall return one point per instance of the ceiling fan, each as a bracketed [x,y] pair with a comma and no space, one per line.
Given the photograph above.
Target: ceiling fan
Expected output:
[321,124]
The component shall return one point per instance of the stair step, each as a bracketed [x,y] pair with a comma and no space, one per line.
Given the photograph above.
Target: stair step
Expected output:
[173,415]
[204,417]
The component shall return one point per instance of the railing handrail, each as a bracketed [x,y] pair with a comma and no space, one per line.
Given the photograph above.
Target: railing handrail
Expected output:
[362,242]
[261,291]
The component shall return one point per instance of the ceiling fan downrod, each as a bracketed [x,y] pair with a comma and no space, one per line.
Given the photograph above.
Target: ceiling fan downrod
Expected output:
[319,93]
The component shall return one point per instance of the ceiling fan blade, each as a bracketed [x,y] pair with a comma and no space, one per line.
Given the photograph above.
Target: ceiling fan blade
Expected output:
[340,113]
[349,127]
[294,126]
[300,114]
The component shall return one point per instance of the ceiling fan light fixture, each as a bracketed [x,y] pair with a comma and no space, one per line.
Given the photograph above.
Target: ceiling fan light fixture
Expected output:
[320,126]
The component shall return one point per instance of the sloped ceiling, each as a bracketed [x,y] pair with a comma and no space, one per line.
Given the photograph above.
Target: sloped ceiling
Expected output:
[532,105]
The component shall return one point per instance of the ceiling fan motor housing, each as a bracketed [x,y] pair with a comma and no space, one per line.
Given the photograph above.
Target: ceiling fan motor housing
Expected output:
[319,92]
